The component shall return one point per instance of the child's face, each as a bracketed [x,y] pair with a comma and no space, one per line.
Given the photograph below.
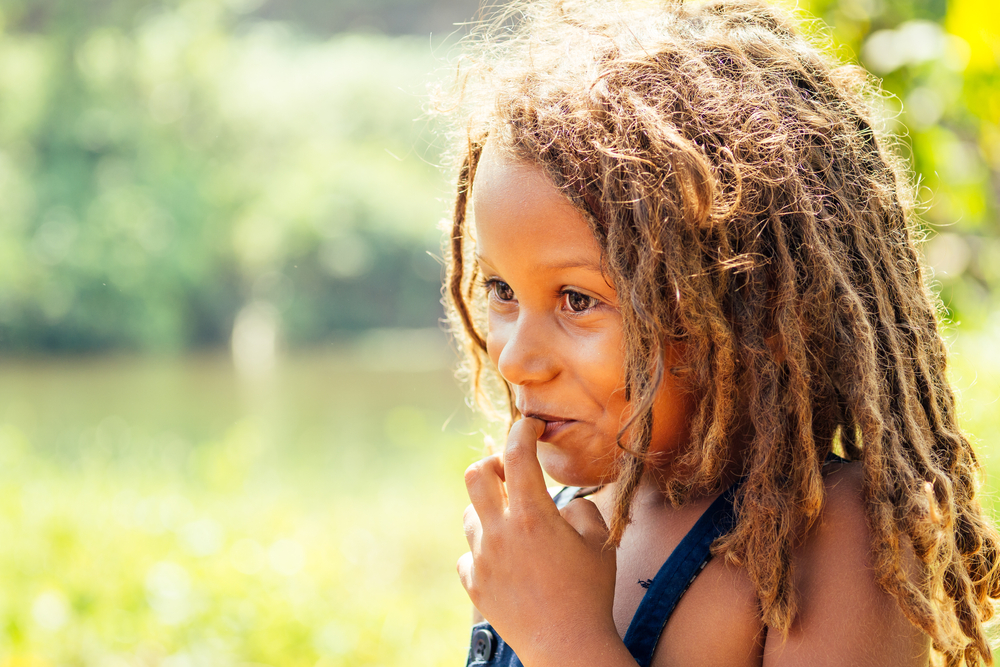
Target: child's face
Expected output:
[555,333]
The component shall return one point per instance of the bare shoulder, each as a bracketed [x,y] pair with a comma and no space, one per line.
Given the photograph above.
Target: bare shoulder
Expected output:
[843,616]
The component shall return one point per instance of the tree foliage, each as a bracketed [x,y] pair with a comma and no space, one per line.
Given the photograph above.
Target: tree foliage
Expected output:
[163,168]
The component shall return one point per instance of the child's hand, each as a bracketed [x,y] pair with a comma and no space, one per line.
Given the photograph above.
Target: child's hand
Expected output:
[543,578]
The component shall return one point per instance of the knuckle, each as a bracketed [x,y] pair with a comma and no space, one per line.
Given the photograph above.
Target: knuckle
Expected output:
[472,528]
[576,508]
[582,514]
[525,519]
[470,577]
[514,454]
[473,592]
[474,473]
[464,569]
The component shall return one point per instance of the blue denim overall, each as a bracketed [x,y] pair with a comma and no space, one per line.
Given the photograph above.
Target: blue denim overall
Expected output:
[488,649]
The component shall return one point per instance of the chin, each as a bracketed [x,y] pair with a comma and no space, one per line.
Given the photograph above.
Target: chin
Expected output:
[572,470]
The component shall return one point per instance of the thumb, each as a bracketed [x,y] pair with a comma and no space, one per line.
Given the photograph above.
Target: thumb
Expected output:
[587,520]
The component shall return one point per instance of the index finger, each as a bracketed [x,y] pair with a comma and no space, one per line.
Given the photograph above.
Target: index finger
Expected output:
[484,482]
[525,481]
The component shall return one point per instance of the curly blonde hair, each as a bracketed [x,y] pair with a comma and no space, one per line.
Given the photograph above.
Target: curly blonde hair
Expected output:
[747,204]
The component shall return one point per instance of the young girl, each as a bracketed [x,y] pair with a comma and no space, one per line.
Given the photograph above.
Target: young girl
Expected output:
[684,249]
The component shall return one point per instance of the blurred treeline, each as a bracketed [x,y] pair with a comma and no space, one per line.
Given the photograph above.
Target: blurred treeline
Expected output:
[164,165]
[938,61]
[167,165]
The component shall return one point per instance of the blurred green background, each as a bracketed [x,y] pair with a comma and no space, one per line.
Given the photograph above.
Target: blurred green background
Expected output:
[228,429]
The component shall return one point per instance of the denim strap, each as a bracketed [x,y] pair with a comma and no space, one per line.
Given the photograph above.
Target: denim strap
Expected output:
[676,575]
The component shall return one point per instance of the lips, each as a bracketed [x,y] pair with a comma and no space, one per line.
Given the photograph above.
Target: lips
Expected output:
[554,424]
[553,429]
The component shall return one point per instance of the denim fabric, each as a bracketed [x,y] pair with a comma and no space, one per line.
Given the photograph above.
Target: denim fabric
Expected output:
[495,653]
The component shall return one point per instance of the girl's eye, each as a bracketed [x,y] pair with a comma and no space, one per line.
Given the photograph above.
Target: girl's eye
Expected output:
[500,290]
[579,302]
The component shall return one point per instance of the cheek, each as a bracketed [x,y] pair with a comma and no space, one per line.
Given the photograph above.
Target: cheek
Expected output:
[599,366]
[495,339]
[605,361]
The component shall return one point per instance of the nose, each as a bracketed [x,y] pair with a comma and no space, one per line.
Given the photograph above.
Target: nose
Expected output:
[523,350]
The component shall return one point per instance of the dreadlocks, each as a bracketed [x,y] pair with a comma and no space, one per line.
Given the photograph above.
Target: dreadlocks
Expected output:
[748,205]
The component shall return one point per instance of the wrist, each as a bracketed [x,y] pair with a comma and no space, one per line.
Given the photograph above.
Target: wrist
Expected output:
[579,647]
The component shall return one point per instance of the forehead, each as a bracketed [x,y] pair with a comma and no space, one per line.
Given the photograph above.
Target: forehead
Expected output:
[516,206]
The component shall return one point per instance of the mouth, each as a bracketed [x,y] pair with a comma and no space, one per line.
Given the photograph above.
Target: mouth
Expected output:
[554,425]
